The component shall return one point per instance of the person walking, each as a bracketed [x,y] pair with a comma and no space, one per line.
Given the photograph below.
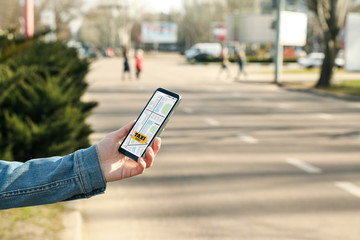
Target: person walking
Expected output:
[241,61]
[139,62]
[224,63]
[126,64]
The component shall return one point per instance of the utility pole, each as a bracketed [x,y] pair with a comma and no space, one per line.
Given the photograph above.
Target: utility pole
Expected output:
[29,18]
[279,47]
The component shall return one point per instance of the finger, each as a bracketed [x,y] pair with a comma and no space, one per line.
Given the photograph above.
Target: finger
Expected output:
[141,165]
[156,145]
[149,157]
[122,132]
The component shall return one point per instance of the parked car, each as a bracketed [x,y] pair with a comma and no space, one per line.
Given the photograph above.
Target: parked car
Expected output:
[316,59]
[203,50]
[340,60]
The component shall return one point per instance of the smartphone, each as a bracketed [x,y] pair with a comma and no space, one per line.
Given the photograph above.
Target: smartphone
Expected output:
[150,123]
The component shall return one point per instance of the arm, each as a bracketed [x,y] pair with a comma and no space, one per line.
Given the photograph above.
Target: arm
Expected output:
[81,174]
[49,180]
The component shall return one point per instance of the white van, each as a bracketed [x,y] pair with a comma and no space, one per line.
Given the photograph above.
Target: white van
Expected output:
[210,49]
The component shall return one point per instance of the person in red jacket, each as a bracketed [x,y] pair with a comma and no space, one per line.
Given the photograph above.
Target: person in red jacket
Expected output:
[139,62]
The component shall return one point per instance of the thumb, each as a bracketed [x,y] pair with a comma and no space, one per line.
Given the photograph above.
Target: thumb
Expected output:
[122,132]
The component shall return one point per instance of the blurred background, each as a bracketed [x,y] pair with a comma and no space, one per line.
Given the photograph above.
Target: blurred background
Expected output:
[265,144]
[94,26]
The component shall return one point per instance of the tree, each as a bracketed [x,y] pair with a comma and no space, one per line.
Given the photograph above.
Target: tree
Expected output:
[12,15]
[194,27]
[108,25]
[331,16]
[244,6]
[41,85]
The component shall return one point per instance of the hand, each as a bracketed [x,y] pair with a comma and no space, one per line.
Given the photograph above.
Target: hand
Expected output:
[117,166]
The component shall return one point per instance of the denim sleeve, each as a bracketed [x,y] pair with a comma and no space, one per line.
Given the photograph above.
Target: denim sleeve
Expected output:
[49,180]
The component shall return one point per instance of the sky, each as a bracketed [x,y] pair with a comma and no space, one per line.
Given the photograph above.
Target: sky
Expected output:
[162,5]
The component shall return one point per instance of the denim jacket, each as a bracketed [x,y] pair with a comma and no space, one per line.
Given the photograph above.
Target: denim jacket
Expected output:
[48,180]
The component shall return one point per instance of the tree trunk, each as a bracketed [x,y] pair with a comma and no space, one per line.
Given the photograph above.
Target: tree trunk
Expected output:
[327,67]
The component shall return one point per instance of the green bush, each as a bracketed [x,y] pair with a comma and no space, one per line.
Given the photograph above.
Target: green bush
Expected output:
[204,58]
[255,59]
[40,100]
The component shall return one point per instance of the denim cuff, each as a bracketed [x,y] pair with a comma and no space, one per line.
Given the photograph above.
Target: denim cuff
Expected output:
[89,169]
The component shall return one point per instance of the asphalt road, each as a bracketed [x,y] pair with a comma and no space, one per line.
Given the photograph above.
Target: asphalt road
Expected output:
[239,160]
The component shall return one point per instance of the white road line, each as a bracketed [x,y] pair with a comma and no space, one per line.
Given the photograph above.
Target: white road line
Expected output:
[257,99]
[285,106]
[324,116]
[212,122]
[349,187]
[304,166]
[188,110]
[247,138]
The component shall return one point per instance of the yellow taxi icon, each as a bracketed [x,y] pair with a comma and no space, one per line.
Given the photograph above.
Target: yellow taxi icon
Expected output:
[141,138]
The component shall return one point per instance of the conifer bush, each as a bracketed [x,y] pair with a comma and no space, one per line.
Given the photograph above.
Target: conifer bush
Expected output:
[41,111]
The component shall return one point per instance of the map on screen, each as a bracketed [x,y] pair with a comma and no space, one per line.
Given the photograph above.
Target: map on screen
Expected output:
[148,123]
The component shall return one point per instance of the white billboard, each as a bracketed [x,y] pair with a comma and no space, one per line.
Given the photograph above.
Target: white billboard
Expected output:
[293,27]
[259,28]
[250,28]
[352,42]
[159,32]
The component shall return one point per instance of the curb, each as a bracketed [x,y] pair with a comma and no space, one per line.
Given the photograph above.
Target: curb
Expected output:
[341,96]
[322,93]
[72,222]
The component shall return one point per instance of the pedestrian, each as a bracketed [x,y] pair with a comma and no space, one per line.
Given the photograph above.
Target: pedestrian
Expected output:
[241,59]
[224,62]
[126,64]
[81,174]
[139,62]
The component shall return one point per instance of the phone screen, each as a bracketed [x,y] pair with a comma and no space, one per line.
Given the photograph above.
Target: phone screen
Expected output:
[149,123]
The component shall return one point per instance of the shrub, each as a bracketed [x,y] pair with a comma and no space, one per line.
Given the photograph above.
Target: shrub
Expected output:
[40,100]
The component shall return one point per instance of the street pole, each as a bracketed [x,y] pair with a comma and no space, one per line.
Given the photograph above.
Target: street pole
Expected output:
[279,47]
[29,18]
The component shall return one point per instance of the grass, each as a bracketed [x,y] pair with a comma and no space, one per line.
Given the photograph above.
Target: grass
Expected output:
[351,88]
[40,222]
[309,70]
[295,71]
[301,71]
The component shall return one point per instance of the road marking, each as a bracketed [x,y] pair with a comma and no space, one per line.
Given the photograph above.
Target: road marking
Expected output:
[285,106]
[304,166]
[188,110]
[349,187]
[257,99]
[247,138]
[324,116]
[212,122]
